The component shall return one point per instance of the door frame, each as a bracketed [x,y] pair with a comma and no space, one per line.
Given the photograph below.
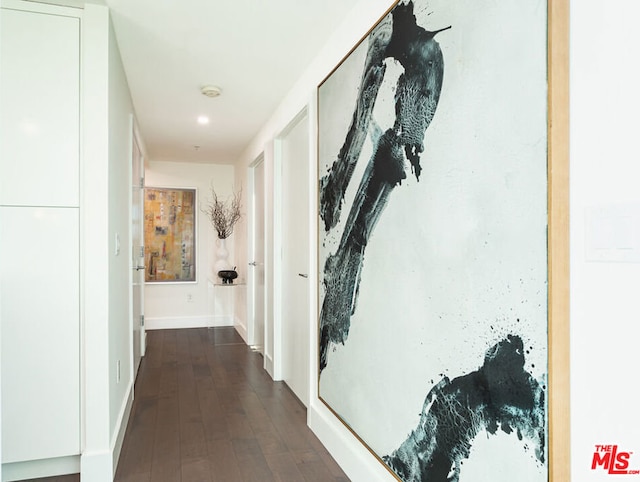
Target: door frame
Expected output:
[136,141]
[252,338]
[300,120]
[278,237]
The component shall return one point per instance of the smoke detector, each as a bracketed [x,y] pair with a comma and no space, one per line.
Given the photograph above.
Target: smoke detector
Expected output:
[211,90]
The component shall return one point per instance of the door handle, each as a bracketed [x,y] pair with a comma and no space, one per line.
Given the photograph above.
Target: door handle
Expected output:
[253,263]
[303,275]
[138,268]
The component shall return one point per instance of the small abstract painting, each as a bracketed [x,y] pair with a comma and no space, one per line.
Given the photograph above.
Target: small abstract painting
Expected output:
[169,235]
[433,322]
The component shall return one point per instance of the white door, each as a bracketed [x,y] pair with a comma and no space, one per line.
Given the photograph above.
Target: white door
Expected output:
[137,255]
[256,265]
[294,151]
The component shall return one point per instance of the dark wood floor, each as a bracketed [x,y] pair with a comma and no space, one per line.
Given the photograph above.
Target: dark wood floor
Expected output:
[205,410]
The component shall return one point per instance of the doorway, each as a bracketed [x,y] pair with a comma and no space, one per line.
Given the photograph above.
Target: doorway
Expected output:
[137,250]
[256,270]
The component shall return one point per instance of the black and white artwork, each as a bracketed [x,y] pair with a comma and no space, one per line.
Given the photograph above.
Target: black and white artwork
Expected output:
[432,152]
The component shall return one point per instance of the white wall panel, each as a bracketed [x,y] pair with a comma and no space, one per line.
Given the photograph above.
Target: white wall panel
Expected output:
[184,301]
[39,131]
[39,283]
[605,306]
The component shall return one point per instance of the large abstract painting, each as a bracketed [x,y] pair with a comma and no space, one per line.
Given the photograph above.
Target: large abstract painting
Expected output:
[169,234]
[433,240]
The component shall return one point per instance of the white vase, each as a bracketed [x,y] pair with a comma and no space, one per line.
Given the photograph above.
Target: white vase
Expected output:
[222,256]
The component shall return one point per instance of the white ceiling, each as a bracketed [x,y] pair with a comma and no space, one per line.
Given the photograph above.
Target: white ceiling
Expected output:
[254,50]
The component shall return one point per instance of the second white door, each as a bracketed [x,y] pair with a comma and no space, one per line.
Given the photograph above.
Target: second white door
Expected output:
[294,152]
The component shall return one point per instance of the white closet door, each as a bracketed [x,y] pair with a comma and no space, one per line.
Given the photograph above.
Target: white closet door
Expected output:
[39,283]
[40,102]
[295,259]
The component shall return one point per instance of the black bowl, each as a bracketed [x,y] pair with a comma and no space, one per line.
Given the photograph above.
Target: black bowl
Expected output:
[228,275]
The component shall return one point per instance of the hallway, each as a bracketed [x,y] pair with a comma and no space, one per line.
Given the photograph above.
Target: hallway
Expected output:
[205,410]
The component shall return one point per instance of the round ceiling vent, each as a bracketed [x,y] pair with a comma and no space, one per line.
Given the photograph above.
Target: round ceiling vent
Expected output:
[211,90]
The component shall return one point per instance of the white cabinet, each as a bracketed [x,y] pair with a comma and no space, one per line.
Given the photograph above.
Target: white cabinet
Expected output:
[39,233]
[39,283]
[40,102]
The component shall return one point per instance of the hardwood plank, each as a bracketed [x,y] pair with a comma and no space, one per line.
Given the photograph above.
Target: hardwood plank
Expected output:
[271,442]
[312,467]
[193,442]
[196,470]
[136,456]
[239,427]
[223,462]
[253,465]
[148,381]
[153,353]
[143,477]
[283,467]
[165,464]
[166,454]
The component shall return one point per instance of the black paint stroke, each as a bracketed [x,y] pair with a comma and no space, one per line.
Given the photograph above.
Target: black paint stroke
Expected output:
[334,184]
[416,99]
[501,395]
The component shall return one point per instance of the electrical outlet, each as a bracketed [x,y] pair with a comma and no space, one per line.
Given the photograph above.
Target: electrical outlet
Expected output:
[189,298]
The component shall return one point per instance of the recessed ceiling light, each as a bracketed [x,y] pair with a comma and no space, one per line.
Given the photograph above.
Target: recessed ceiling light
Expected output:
[211,90]
[203,119]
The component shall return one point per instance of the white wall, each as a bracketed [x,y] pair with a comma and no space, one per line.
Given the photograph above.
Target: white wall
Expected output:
[121,376]
[186,305]
[107,331]
[95,244]
[604,172]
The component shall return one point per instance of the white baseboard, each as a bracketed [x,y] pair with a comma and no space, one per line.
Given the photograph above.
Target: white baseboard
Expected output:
[353,457]
[172,323]
[100,466]
[144,345]
[268,365]
[241,328]
[35,469]
[121,427]
[97,466]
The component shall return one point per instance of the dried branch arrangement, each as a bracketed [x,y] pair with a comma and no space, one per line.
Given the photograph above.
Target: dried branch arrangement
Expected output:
[224,214]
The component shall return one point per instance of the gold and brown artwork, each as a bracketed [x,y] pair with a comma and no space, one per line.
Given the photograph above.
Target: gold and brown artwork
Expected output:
[169,234]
